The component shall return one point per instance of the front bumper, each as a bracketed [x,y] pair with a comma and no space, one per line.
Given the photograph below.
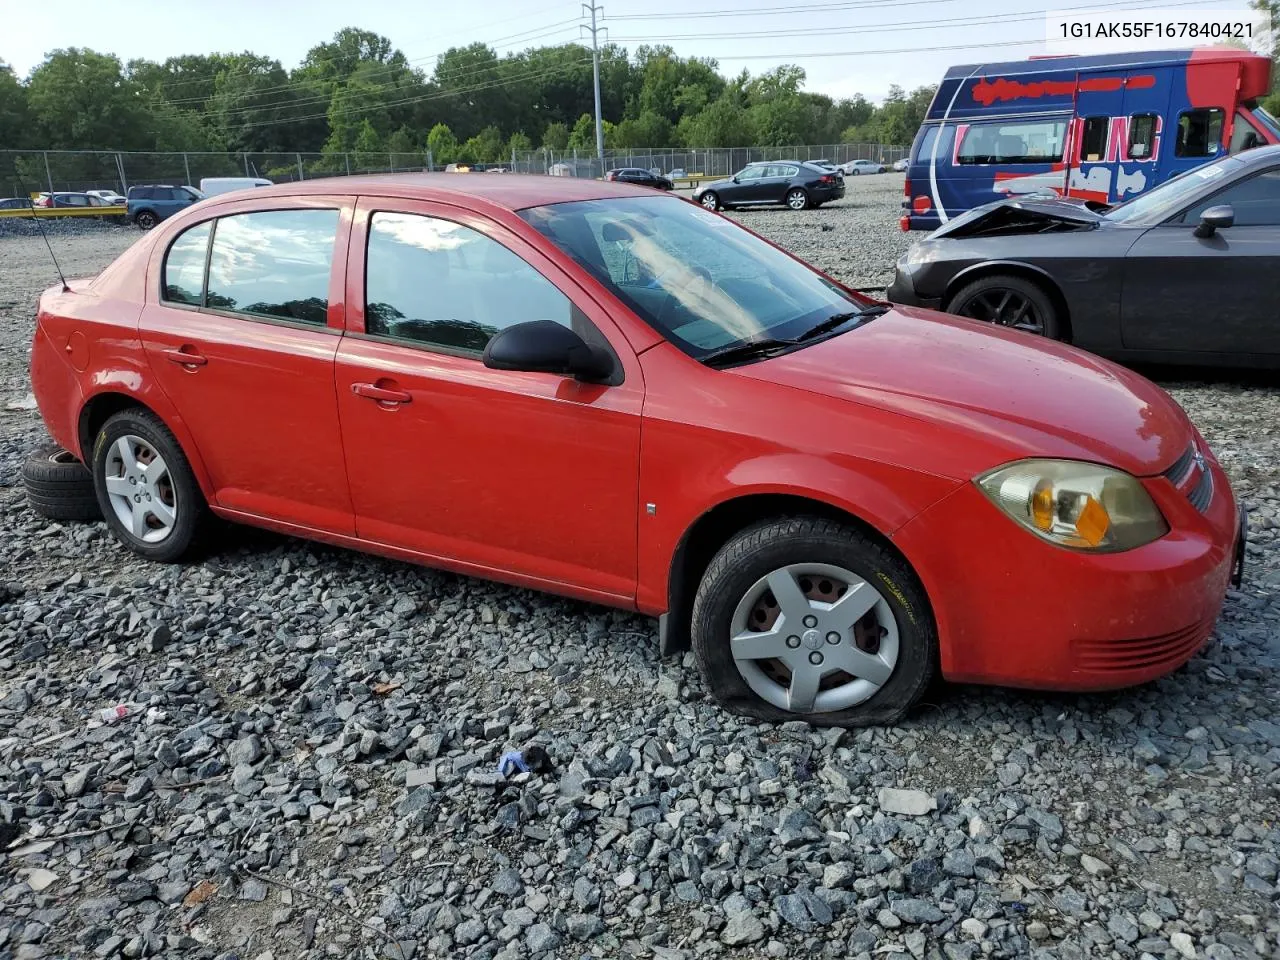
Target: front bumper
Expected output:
[1015,611]
[902,291]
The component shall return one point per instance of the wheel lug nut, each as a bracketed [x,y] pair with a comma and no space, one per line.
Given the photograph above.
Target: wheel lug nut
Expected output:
[793,642]
[815,658]
[833,637]
[810,621]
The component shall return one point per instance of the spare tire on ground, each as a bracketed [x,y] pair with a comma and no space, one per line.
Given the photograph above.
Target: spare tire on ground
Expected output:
[59,486]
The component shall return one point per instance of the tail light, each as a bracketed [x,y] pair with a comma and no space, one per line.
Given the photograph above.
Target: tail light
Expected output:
[904,222]
[906,187]
[826,178]
[611,175]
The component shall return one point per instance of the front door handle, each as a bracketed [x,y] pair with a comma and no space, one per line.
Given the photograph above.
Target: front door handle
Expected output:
[186,355]
[372,391]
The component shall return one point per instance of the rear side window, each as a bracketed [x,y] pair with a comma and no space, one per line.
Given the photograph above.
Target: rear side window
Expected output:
[274,264]
[438,283]
[1027,141]
[1142,136]
[1199,132]
[142,193]
[184,266]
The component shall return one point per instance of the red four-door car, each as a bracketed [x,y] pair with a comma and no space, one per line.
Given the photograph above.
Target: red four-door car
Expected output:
[585,388]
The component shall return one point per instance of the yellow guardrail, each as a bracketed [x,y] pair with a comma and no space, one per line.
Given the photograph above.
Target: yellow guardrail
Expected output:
[692,180]
[119,211]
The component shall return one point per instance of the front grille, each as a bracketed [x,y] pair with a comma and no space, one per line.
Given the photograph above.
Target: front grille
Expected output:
[1170,649]
[1190,474]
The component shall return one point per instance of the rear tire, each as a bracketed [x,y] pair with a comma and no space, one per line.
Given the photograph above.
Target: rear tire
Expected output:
[1008,301]
[900,618]
[142,477]
[59,486]
[797,199]
[146,220]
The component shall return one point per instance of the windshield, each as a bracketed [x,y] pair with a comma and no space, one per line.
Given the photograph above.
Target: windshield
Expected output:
[1266,121]
[698,278]
[1170,196]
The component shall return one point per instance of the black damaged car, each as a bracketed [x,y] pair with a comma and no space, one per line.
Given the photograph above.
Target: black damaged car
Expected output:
[1188,272]
[796,183]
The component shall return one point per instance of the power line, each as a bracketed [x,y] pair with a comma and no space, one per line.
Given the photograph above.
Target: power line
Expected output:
[775,11]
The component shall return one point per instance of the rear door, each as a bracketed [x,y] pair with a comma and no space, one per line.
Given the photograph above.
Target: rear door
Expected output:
[778,181]
[1215,294]
[248,357]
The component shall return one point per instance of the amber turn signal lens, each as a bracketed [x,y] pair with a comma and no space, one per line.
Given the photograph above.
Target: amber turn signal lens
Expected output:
[1042,507]
[1093,522]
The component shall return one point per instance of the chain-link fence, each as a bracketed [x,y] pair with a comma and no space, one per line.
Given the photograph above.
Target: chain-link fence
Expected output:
[29,171]
[705,162]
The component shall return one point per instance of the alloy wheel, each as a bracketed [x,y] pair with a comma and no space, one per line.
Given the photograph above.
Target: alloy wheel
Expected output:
[710,201]
[1007,308]
[813,638]
[797,200]
[140,489]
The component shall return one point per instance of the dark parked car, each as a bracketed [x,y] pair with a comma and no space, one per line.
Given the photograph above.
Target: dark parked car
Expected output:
[148,205]
[1188,272]
[798,184]
[14,203]
[640,177]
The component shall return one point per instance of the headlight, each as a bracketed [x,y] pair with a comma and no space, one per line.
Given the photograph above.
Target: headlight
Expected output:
[1081,505]
[922,252]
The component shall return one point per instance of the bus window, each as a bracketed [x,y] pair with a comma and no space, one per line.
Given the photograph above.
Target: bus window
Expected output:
[1244,136]
[1199,132]
[1028,141]
[1094,142]
[1142,136]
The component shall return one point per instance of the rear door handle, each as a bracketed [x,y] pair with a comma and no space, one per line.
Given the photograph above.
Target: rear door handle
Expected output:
[372,391]
[187,356]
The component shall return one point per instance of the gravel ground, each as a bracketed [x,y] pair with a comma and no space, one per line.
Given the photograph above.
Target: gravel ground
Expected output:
[307,765]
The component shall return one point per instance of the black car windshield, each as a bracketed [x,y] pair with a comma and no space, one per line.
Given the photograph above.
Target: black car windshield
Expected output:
[698,278]
[1168,198]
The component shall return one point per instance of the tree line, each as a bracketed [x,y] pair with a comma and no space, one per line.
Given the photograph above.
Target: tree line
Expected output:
[359,94]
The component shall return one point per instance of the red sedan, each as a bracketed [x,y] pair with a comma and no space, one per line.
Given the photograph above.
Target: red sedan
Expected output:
[585,388]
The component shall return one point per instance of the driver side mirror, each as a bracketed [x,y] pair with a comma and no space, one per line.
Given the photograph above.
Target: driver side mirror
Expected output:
[544,346]
[735,179]
[1214,219]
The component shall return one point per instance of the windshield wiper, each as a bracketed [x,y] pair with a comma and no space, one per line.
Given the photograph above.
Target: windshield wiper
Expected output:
[839,319]
[752,350]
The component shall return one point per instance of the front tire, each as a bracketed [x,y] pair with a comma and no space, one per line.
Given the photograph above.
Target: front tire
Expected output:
[145,487]
[146,220]
[803,618]
[797,199]
[710,200]
[1008,301]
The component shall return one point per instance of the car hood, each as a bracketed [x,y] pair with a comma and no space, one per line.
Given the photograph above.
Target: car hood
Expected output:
[1024,215]
[1006,394]
[716,185]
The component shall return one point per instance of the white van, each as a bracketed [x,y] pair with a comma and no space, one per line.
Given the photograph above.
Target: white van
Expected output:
[211,186]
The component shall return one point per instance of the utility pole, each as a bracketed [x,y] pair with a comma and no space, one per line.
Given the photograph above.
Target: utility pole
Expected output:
[594,9]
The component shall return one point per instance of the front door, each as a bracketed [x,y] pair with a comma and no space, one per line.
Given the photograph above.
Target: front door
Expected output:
[1218,293]
[524,476]
[248,357]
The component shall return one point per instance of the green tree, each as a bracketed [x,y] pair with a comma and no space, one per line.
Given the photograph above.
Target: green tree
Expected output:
[13,109]
[442,144]
[583,136]
[725,123]
[81,99]
[518,144]
[648,130]
[556,137]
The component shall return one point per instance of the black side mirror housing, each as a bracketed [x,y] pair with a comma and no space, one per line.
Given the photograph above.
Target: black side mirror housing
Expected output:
[544,346]
[735,179]
[1215,219]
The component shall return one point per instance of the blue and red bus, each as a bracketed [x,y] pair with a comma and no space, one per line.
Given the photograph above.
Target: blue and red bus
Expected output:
[1103,128]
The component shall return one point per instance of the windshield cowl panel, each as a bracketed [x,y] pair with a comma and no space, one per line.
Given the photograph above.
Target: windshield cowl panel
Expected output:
[704,283]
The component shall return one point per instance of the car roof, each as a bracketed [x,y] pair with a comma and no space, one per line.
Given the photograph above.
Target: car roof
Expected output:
[513,192]
[1258,156]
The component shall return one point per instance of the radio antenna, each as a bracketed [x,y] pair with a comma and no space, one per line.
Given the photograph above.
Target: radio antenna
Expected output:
[40,225]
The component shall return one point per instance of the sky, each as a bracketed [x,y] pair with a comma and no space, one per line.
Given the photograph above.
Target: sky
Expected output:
[857,46]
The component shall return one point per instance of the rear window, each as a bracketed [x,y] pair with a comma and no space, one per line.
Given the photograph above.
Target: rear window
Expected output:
[1024,141]
[274,264]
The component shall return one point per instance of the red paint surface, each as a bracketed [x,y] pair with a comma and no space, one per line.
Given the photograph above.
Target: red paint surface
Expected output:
[539,480]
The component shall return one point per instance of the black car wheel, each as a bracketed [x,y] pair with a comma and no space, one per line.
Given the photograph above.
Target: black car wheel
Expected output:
[802,618]
[710,200]
[1008,301]
[146,220]
[59,486]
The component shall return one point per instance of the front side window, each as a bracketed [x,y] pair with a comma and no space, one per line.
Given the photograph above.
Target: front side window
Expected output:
[1027,141]
[274,264]
[438,283]
[700,280]
[1244,135]
[1199,132]
[1093,144]
[1165,200]
[1255,202]
[183,273]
